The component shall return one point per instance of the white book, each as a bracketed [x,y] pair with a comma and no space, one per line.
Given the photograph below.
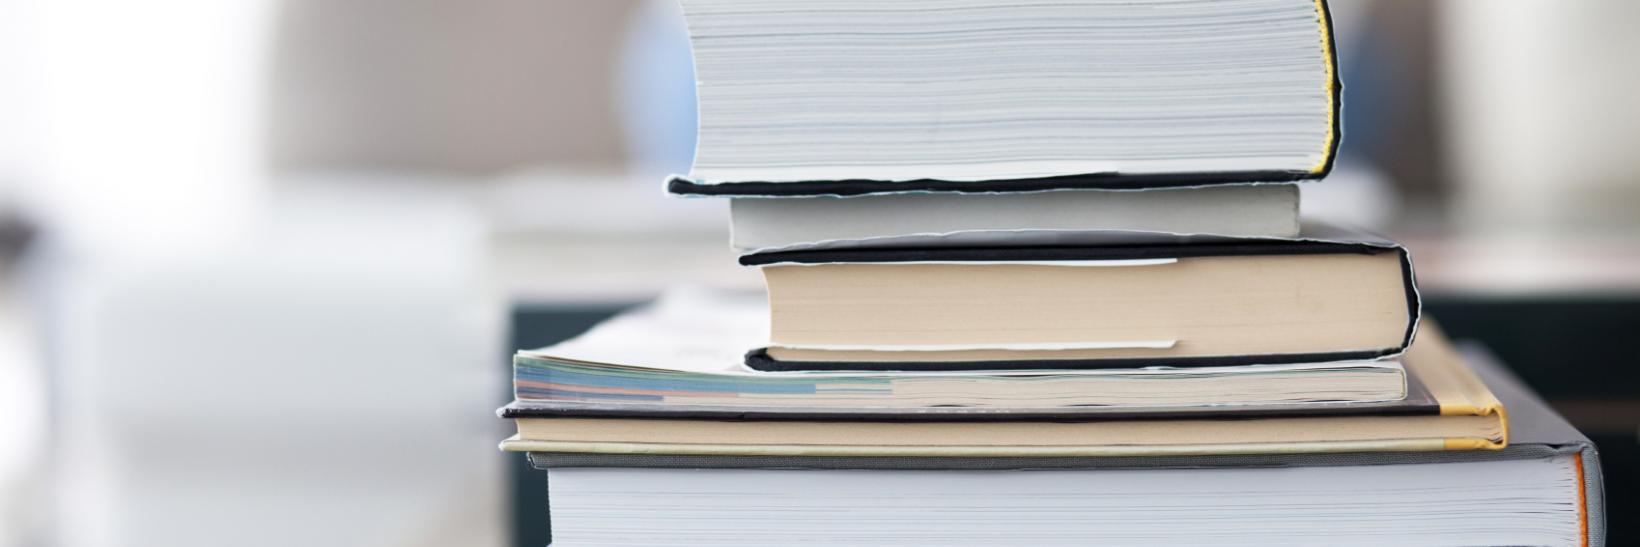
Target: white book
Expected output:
[1071,217]
[805,97]
[1510,502]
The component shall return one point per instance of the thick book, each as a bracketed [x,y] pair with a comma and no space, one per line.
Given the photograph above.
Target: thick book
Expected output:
[829,97]
[1506,502]
[1545,488]
[1069,217]
[682,357]
[1201,301]
[1466,416]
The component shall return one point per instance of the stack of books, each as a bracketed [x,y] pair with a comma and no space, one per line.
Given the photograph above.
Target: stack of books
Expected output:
[1036,277]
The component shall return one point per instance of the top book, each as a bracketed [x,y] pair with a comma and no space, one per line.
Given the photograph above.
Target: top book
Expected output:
[850,97]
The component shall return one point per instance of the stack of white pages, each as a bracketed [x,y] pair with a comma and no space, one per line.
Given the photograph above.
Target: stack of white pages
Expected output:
[1347,504]
[803,94]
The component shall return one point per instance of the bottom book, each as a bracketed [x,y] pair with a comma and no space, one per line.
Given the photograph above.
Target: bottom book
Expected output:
[1543,489]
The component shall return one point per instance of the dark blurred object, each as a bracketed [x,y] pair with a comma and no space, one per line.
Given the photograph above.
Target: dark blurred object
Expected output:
[1570,348]
[16,233]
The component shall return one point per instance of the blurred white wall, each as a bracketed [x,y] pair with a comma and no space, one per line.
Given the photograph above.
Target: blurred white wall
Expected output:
[138,123]
[228,356]
[1541,100]
[15,96]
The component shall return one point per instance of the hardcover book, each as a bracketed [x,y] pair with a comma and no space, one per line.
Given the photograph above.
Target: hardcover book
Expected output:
[831,97]
[1326,296]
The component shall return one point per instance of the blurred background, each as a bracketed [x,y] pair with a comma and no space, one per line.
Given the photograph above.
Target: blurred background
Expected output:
[262,261]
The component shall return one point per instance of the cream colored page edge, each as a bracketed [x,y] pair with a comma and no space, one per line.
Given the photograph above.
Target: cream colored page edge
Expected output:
[1396,445]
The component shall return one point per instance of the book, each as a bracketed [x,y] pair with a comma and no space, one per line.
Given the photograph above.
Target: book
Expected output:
[830,97]
[682,356]
[1402,504]
[1203,301]
[1070,217]
[1466,416]
[1544,488]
